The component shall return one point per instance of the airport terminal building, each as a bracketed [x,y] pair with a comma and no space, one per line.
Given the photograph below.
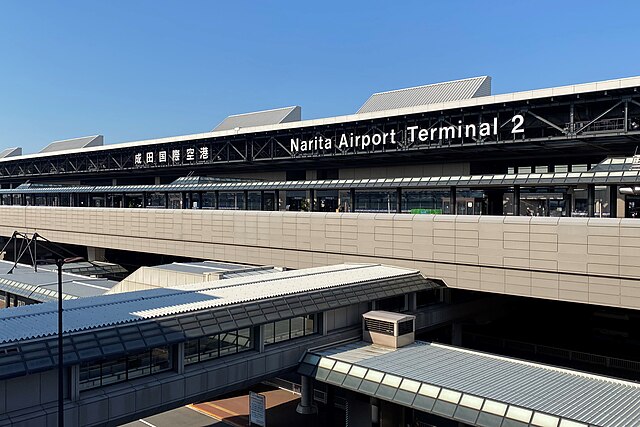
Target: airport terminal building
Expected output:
[505,227]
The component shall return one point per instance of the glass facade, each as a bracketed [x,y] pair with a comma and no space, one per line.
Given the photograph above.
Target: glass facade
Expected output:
[215,346]
[105,372]
[288,329]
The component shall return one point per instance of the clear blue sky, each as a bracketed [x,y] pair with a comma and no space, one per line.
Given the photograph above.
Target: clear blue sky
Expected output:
[135,70]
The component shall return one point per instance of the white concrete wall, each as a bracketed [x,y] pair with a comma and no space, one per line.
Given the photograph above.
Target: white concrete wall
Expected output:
[586,260]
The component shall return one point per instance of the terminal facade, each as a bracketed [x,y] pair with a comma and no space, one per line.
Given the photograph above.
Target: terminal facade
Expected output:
[507,224]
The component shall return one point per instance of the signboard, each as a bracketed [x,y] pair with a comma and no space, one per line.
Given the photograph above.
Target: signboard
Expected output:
[321,144]
[257,409]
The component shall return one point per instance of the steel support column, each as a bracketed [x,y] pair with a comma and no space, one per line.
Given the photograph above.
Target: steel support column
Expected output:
[453,201]
[613,201]
[516,200]
[277,200]
[352,199]
[306,406]
[312,200]
[246,200]
[398,200]
[591,200]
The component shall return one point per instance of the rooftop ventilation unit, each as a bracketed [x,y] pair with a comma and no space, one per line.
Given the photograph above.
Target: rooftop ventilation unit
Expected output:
[388,329]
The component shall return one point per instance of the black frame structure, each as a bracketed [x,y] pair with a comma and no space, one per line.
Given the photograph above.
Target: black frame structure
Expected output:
[596,123]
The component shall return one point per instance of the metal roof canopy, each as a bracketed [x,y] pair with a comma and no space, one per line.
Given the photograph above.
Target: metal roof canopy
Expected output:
[614,84]
[42,285]
[10,152]
[112,325]
[74,144]
[417,96]
[477,388]
[261,118]
[610,171]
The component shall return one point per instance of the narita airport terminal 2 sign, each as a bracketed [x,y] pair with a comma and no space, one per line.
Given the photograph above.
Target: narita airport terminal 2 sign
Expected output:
[342,142]
[411,134]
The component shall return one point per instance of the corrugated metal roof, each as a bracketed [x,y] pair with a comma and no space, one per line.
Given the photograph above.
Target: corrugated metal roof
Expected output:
[74,144]
[440,374]
[428,94]
[90,313]
[42,285]
[261,118]
[10,152]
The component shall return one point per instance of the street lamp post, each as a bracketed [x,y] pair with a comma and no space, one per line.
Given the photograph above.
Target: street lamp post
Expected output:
[60,262]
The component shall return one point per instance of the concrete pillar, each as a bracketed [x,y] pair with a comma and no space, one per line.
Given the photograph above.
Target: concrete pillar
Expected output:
[156,180]
[95,254]
[516,200]
[276,206]
[453,202]
[413,302]
[591,200]
[306,405]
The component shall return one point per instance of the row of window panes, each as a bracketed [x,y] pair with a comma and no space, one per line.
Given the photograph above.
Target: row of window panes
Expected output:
[105,372]
[288,329]
[219,345]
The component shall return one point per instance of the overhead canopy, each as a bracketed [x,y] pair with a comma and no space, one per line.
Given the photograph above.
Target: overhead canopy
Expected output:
[477,388]
[42,286]
[74,144]
[261,118]
[10,152]
[455,90]
[108,325]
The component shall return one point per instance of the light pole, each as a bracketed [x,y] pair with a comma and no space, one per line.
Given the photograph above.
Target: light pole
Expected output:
[60,262]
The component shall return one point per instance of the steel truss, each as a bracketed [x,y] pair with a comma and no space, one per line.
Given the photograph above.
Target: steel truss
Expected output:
[549,122]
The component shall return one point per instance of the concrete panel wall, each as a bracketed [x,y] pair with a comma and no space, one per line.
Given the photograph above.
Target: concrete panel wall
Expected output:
[588,260]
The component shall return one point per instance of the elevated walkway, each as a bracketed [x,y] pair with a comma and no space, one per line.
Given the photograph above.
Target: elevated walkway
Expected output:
[477,388]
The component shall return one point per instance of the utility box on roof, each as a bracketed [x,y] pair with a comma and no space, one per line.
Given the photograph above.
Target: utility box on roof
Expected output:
[388,329]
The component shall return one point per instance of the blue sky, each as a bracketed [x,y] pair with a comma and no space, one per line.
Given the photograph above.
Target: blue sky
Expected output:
[135,70]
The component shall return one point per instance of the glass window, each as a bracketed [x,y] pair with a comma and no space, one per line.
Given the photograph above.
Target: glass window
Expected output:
[209,347]
[139,365]
[268,333]
[228,343]
[297,327]
[244,339]
[281,329]
[284,330]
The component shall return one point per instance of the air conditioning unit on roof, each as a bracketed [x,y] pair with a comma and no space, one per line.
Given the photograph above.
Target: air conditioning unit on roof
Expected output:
[388,329]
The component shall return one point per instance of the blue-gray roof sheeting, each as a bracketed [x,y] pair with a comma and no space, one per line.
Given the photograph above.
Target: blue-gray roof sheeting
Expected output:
[102,326]
[566,394]
[42,285]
